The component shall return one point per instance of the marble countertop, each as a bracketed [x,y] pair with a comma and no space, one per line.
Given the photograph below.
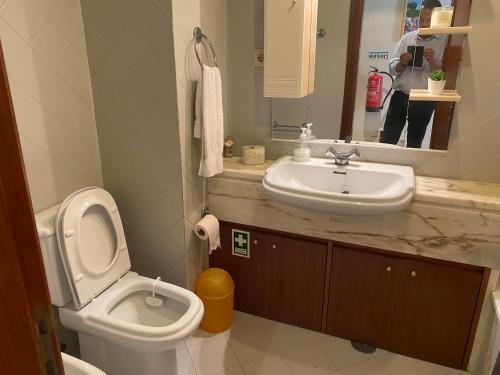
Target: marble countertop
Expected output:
[460,193]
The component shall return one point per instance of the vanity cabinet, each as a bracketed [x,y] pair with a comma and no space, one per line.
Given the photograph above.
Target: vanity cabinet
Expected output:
[289,47]
[420,308]
[411,305]
[283,278]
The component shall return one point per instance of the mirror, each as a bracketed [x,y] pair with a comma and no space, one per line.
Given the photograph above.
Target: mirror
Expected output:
[368,58]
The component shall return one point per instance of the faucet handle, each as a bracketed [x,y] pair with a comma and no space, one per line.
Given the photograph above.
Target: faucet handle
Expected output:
[331,153]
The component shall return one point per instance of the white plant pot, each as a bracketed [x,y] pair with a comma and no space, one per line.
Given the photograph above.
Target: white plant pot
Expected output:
[435,87]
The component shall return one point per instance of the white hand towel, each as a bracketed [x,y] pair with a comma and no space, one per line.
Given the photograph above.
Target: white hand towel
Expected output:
[209,121]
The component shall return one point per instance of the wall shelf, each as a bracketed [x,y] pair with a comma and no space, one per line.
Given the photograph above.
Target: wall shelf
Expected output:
[445,30]
[425,95]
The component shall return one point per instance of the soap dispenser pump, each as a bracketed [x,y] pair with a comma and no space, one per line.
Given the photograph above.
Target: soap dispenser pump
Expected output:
[302,150]
[309,135]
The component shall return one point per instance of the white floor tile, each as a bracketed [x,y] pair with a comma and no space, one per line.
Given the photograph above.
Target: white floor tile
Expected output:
[250,345]
[285,336]
[397,364]
[184,363]
[341,353]
[379,353]
[201,336]
[270,365]
[244,322]
[308,359]
[213,355]
[231,371]
[370,367]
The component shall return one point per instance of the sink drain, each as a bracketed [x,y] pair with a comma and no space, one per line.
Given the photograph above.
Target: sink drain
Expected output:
[363,348]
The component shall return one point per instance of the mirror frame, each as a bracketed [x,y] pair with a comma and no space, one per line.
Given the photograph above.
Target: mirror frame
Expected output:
[451,63]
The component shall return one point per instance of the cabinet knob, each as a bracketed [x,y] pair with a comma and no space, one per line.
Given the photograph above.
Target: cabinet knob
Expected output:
[389,268]
[274,246]
[255,242]
[413,274]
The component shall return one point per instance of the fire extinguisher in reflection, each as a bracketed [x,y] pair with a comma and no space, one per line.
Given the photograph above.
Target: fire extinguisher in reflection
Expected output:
[375,89]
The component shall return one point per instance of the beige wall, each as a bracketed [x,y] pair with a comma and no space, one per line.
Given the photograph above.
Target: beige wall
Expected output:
[44,47]
[210,15]
[474,151]
[131,54]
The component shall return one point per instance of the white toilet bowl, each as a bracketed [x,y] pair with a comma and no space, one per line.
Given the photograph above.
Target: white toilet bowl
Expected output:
[75,366]
[118,331]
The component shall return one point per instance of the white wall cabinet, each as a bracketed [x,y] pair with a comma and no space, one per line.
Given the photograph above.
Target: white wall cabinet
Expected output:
[290,47]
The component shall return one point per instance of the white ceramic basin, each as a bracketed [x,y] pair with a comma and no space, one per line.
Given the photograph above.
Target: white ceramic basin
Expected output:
[318,185]
[75,366]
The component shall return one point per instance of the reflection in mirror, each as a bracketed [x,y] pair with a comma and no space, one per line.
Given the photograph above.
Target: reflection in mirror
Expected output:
[324,107]
[391,59]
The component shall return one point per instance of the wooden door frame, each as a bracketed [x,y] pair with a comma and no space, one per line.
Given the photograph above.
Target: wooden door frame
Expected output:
[453,54]
[28,343]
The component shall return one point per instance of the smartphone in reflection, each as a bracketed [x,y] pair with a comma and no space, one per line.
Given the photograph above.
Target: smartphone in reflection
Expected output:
[418,56]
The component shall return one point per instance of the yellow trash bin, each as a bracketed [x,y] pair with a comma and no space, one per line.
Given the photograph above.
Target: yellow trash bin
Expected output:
[215,287]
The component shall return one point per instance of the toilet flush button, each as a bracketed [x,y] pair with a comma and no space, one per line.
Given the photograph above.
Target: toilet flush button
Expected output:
[79,278]
[69,233]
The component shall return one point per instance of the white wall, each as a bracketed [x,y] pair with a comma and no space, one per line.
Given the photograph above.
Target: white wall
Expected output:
[45,52]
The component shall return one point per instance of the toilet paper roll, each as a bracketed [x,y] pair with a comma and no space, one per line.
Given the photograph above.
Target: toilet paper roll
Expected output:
[208,229]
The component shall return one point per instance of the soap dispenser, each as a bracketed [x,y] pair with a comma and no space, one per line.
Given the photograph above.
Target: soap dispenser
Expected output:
[302,150]
[309,135]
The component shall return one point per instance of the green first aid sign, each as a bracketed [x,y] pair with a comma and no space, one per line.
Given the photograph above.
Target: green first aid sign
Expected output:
[241,243]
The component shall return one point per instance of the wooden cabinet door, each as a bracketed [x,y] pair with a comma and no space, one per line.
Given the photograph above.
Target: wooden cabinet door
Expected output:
[361,296]
[283,280]
[249,274]
[434,311]
[295,279]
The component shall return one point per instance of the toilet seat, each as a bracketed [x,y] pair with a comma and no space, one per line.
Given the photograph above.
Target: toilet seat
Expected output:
[92,243]
[95,318]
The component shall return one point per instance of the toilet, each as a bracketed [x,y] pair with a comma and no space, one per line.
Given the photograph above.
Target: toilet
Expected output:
[87,266]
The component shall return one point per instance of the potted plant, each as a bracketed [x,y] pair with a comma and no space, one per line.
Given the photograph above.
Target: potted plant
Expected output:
[436,81]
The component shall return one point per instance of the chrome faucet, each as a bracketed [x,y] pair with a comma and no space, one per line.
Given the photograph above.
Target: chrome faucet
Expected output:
[340,157]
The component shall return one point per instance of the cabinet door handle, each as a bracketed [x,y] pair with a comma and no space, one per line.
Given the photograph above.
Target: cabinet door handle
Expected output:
[274,246]
[389,268]
[255,242]
[413,274]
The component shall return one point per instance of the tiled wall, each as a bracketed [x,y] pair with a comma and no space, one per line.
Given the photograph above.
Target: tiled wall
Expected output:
[45,52]
[210,16]
[131,54]
[473,152]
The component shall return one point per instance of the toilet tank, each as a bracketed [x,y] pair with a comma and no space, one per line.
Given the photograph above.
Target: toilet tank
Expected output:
[60,293]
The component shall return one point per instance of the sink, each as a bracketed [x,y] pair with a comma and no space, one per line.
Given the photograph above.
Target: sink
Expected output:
[319,185]
[75,366]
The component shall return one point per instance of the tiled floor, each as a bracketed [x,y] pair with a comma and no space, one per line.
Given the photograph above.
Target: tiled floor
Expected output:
[257,346]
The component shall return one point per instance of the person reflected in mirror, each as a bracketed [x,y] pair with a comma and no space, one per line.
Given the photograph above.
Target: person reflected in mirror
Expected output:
[414,59]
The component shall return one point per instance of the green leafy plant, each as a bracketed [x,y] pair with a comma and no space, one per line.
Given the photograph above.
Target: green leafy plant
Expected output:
[437,75]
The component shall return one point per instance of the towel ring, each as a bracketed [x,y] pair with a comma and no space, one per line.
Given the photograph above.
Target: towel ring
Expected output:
[198,38]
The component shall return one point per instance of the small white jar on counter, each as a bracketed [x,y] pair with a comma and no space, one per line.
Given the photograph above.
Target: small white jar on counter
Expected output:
[254,155]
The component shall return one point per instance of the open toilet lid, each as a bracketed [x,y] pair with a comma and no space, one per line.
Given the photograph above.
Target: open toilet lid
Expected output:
[92,243]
